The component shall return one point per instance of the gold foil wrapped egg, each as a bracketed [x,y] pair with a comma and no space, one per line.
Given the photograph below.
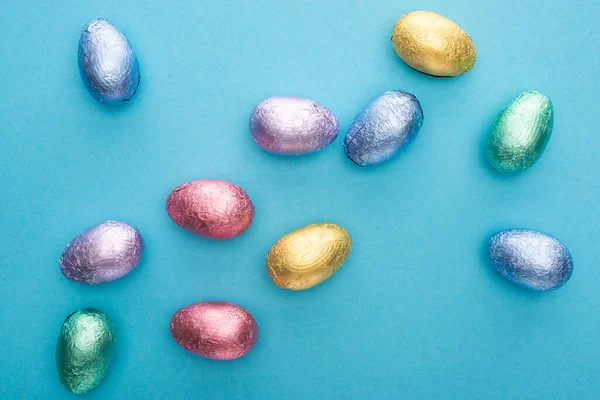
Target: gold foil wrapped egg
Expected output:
[307,256]
[433,44]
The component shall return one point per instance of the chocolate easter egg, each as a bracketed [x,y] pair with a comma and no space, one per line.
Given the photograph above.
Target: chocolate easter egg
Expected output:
[530,259]
[107,63]
[292,125]
[215,329]
[85,350]
[433,44]
[520,133]
[385,126]
[103,253]
[307,256]
[211,208]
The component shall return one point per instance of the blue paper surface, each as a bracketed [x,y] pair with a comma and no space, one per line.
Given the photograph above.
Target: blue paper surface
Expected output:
[415,313]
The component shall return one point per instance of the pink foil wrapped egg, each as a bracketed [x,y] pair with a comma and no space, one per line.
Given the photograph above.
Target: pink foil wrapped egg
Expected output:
[215,329]
[211,208]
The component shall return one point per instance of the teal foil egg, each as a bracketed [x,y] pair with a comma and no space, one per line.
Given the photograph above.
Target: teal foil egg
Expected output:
[520,133]
[84,350]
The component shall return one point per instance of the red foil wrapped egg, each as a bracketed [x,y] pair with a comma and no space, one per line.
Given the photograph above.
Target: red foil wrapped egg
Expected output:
[211,208]
[215,329]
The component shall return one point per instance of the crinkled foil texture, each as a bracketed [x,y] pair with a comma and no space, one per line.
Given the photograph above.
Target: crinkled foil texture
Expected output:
[385,126]
[292,125]
[433,44]
[85,350]
[103,253]
[520,133]
[308,256]
[215,329]
[211,208]
[531,259]
[108,65]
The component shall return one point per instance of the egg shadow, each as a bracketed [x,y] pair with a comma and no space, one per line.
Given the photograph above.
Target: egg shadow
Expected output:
[373,169]
[108,110]
[416,75]
[274,159]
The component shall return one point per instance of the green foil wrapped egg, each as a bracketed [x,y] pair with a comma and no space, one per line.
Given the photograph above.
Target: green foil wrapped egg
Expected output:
[520,133]
[85,349]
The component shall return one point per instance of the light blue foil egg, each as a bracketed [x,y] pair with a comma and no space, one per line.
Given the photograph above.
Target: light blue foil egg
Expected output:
[530,259]
[385,126]
[108,64]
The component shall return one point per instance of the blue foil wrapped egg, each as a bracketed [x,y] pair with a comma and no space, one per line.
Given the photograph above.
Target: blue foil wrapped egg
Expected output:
[107,63]
[385,126]
[530,259]
[292,125]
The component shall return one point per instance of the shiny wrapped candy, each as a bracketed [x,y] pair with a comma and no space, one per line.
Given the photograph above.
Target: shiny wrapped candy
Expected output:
[103,253]
[520,133]
[385,126]
[530,259]
[107,62]
[433,44]
[215,329]
[308,256]
[211,208]
[292,125]
[85,350]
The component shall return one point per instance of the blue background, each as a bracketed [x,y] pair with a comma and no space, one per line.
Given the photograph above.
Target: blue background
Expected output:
[415,313]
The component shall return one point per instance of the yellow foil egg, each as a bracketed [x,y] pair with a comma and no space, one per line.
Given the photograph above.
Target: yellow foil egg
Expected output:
[433,44]
[307,256]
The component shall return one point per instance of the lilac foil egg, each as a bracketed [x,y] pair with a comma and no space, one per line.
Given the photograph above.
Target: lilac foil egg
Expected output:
[211,208]
[107,63]
[215,329]
[292,126]
[385,126]
[102,253]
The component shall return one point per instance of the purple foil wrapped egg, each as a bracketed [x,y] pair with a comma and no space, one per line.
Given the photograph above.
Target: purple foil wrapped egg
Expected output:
[215,329]
[103,253]
[292,125]
[211,208]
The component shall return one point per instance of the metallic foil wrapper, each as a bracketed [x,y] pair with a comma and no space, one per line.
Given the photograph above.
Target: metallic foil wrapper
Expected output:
[308,256]
[85,350]
[520,133]
[108,65]
[103,253]
[292,125]
[215,329]
[433,44]
[530,259]
[211,208]
[384,127]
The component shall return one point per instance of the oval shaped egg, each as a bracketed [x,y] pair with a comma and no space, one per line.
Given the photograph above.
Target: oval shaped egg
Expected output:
[107,63]
[530,259]
[433,44]
[103,253]
[308,256]
[211,208]
[215,329]
[385,126]
[85,350]
[292,125]
[520,133]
